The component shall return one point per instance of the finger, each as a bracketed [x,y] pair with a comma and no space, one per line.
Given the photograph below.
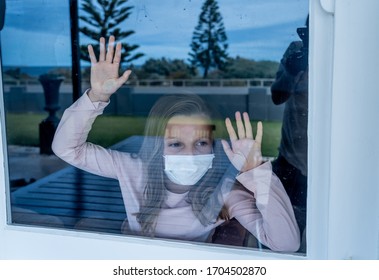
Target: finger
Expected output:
[124,78]
[249,129]
[240,127]
[228,151]
[110,49]
[91,54]
[230,129]
[102,49]
[258,137]
[117,56]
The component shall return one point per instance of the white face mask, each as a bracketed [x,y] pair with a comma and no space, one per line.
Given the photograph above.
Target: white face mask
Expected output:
[187,169]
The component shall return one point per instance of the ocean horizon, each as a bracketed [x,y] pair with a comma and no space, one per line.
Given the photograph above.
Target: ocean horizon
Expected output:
[36,71]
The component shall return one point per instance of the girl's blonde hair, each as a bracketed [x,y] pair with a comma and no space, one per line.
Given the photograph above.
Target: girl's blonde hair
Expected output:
[205,199]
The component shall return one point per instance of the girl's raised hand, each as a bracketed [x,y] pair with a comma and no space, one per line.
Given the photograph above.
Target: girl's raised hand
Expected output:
[245,151]
[105,79]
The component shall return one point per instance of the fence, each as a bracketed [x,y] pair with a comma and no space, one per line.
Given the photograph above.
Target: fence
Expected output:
[258,82]
[225,96]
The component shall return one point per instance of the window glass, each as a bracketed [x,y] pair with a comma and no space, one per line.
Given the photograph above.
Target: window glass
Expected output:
[154,162]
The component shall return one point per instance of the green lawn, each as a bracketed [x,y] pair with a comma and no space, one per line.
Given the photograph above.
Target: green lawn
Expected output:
[22,129]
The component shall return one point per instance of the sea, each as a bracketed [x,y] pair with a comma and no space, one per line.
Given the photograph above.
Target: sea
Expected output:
[35,71]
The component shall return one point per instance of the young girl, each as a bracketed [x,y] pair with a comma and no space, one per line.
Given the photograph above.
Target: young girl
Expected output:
[178,186]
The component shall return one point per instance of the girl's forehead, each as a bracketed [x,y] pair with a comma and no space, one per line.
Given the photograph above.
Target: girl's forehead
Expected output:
[189,120]
[189,126]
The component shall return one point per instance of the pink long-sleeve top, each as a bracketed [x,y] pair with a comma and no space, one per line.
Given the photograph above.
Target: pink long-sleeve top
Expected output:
[265,210]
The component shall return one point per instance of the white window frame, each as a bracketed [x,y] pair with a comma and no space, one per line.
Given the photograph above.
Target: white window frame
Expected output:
[332,198]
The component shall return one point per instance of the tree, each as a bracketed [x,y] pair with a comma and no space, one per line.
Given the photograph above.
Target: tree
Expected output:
[14,73]
[17,73]
[102,18]
[164,68]
[209,40]
[243,68]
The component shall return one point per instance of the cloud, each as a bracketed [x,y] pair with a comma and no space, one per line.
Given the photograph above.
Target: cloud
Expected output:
[37,15]
[251,32]
[35,48]
[259,29]
[148,15]
[262,13]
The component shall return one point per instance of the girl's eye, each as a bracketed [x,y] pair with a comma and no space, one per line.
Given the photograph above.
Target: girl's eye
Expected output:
[175,145]
[202,143]
[203,146]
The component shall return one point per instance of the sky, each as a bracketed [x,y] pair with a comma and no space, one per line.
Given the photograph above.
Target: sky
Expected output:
[37,32]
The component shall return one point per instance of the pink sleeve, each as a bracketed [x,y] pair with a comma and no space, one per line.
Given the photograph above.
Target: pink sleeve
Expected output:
[265,209]
[70,140]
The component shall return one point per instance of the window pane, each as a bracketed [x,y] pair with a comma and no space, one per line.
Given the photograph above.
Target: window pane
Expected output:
[167,174]
[35,45]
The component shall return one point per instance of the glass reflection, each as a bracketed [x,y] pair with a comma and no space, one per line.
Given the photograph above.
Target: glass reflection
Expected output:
[46,191]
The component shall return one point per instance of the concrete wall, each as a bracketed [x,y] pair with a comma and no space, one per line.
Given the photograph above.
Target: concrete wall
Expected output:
[139,100]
